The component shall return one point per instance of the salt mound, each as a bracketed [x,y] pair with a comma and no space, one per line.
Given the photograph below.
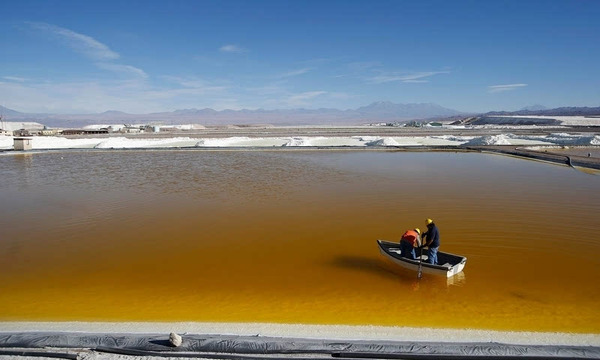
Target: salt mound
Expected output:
[297,141]
[6,142]
[222,142]
[365,138]
[453,138]
[383,142]
[574,140]
[126,143]
[490,140]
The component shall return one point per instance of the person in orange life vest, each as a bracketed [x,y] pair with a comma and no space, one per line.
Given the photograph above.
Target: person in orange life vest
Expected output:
[410,240]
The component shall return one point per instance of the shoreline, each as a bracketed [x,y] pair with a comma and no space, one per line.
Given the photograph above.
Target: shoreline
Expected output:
[536,153]
[261,341]
[306,331]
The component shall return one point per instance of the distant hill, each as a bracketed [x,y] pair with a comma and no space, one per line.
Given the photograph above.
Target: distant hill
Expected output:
[386,109]
[536,107]
[6,112]
[561,111]
[383,111]
[529,117]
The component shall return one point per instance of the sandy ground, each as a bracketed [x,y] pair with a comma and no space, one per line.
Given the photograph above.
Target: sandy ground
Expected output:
[330,332]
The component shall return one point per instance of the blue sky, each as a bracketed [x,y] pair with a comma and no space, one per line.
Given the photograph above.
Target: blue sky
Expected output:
[148,56]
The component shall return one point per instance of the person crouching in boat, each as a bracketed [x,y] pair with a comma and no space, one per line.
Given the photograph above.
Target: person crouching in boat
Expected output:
[431,239]
[410,240]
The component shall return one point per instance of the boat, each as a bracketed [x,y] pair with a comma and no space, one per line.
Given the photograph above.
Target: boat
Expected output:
[448,264]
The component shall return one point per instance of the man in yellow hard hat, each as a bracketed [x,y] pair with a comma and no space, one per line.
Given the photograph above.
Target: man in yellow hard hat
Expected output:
[431,239]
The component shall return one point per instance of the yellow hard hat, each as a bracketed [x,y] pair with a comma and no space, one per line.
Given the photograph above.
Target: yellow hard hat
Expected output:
[418,231]
[428,221]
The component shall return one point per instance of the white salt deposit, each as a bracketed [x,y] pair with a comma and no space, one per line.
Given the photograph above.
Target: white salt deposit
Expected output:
[574,140]
[565,120]
[336,141]
[453,138]
[490,140]
[125,142]
[13,125]
[299,141]
[388,141]
[222,142]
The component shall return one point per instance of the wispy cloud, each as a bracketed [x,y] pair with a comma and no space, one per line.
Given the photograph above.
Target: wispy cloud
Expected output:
[293,73]
[363,65]
[83,44]
[341,95]
[123,69]
[232,48]
[266,90]
[418,77]
[131,95]
[67,97]
[302,98]
[91,48]
[502,88]
[14,78]
[195,85]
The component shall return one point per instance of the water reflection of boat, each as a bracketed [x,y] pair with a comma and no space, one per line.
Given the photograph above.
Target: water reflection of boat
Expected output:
[456,280]
[449,264]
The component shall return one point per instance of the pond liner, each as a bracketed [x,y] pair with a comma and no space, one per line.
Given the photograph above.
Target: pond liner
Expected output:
[45,354]
[250,347]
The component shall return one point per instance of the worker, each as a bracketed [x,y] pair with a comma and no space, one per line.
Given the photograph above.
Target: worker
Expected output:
[409,241]
[431,240]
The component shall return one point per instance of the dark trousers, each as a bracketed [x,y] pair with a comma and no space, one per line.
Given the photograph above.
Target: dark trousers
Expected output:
[408,251]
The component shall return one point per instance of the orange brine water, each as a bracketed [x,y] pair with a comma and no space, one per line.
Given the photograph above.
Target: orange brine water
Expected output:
[289,237]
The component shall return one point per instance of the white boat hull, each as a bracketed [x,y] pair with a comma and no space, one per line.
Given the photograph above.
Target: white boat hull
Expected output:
[451,264]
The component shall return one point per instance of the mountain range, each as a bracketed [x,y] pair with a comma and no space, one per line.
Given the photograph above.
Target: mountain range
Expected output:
[382,111]
[377,112]
[561,111]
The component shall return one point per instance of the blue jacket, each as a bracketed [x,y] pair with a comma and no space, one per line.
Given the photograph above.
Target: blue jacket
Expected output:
[432,235]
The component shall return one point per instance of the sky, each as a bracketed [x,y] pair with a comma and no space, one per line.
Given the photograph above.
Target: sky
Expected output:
[153,56]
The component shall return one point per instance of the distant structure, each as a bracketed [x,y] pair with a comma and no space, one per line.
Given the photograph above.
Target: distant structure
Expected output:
[84,131]
[22,144]
[22,132]
[3,130]
[5,133]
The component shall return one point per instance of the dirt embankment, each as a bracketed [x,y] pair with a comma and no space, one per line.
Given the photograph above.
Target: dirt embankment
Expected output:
[572,157]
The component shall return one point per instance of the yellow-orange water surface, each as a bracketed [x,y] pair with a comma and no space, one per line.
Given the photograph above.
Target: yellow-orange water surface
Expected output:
[289,237]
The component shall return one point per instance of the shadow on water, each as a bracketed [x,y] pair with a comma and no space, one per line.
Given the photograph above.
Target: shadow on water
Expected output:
[523,296]
[364,263]
[389,271]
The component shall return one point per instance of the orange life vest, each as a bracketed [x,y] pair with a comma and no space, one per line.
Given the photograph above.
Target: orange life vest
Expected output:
[411,236]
